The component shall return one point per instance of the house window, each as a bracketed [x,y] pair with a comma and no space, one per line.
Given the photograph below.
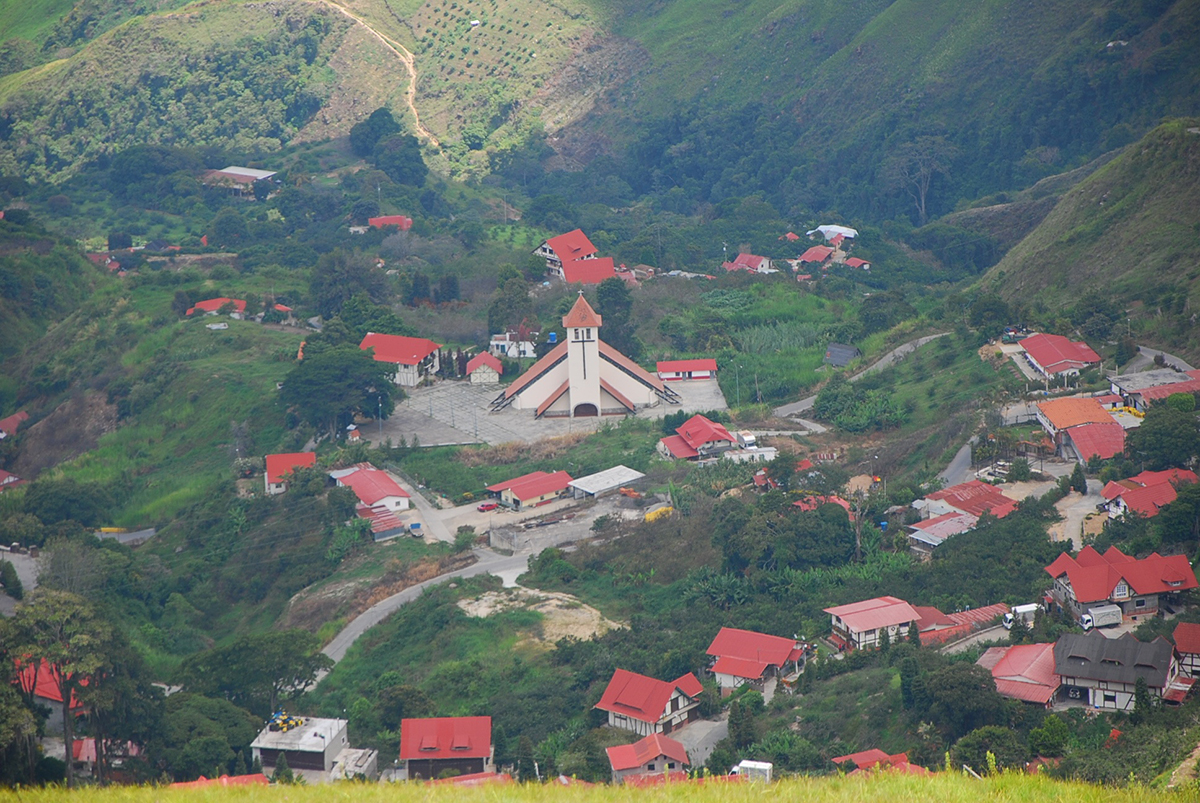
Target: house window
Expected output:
[1122,590]
[650,767]
[670,765]
[1110,697]
[1141,603]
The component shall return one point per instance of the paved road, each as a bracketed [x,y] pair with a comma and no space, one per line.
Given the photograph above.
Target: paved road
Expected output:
[435,527]
[1144,361]
[1074,509]
[887,360]
[489,563]
[997,633]
[700,737]
[959,470]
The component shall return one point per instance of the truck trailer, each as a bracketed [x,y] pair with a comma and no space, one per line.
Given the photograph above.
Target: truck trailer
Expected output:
[1102,616]
[1021,613]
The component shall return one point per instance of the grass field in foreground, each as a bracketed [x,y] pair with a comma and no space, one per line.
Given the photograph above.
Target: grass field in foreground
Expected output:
[891,788]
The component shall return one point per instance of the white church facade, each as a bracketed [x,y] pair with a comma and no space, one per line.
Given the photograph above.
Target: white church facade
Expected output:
[584,376]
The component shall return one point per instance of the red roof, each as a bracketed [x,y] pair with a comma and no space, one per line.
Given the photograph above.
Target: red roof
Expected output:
[280,465]
[257,779]
[581,314]
[699,430]
[976,498]
[473,779]
[903,767]
[931,618]
[749,645]
[9,480]
[484,358]
[588,271]
[570,246]
[398,348]
[1023,672]
[372,486]
[658,778]
[533,487]
[1148,492]
[641,697]
[215,304]
[1056,353]
[872,614]
[1073,412]
[683,366]
[1093,576]
[12,423]
[445,737]
[43,681]
[791,237]
[1163,391]
[405,223]
[679,448]
[865,758]
[1187,638]
[750,262]
[1098,440]
[855,262]
[814,501]
[631,756]
[818,253]
[838,239]
[500,486]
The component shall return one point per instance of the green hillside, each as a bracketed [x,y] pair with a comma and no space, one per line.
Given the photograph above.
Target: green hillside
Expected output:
[1129,230]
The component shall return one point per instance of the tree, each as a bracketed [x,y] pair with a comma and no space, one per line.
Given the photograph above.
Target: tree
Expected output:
[615,303]
[1143,703]
[1167,438]
[64,631]
[257,672]
[199,733]
[914,165]
[339,276]
[118,240]
[283,773]
[1003,743]
[10,580]
[227,229]
[908,673]
[399,156]
[365,135]
[327,388]
[181,303]
[1050,739]
[962,697]
[1185,402]
[1079,479]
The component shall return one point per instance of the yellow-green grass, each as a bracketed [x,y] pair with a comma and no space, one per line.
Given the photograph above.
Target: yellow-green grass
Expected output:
[884,788]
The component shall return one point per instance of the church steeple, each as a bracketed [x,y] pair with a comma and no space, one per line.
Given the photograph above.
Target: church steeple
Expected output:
[583,357]
[582,314]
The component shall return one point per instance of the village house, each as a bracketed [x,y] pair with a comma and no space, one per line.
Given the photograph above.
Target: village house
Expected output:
[674,370]
[484,369]
[928,534]
[592,270]
[279,466]
[380,497]
[1055,355]
[1102,441]
[8,481]
[1187,647]
[401,222]
[698,438]
[1139,587]
[1145,494]
[746,657]
[647,705]
[414,357]
[458,745]
[653,754]
[513,345]
[312,745]
[531,490]
[569,247]
[817,255]
[875,760]
[1023,672]
[810,502]
[10,424]
[751,263]
[973,498]
[41,681]
[213,306]
[859,625]
[238,181]
[584,376]
[1097,431]
[855,262]
[936,627]
[1103,672]
[839,355]
[1140,390]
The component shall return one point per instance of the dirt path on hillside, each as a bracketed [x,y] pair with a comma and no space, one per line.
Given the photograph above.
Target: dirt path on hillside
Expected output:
[406,56]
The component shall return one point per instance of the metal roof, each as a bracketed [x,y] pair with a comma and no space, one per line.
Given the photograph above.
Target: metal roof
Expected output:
[606,480]
[1121,660]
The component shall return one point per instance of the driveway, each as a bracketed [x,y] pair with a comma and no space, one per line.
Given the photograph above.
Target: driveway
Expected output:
[1074,509]
[1144,361]
[996,633]
[700,737]
[959,470]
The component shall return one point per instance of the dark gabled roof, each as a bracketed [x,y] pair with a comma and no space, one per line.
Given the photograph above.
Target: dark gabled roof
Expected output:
[1120,660]
[841,355]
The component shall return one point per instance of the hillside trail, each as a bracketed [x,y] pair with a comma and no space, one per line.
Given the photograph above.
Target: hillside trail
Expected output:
[406,56]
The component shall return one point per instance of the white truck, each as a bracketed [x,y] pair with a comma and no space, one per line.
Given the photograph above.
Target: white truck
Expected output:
[754,770]
[1021,613]
[746,439]
[1102,616]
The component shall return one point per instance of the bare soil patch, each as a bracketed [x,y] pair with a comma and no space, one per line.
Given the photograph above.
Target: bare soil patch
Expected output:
[73,428]
[506,453]
[563,616]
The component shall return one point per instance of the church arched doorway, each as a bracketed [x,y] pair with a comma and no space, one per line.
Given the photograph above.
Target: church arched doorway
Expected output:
[585,411]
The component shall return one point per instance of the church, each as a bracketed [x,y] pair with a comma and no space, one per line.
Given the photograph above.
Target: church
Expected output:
[584,376]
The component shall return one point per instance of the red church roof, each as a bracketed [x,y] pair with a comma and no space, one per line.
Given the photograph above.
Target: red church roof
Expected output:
[445,737]
[280,465]
[398,348]
[631,756]
[572,245]
[641,697]
[581,314]
[484,358]
[588,271]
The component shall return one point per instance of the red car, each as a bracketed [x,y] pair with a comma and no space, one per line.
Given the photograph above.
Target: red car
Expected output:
[486,506]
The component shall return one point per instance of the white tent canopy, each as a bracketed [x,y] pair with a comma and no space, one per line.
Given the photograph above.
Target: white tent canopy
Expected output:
[829,232]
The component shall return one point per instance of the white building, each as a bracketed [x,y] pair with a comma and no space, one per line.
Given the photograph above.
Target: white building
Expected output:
[314,746]
[413,357]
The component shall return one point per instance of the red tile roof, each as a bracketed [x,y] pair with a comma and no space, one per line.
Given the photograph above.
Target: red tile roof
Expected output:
[533,487]
[257,779]
[372,486]
[1023,672]
[1159,392]
[838,239]
[484,358]
[280,465]
[500,486]
[818,253]
[699,430]
[643,698]
[588,271]
[865,758]
[683,366]
[1093,576]
[42,682]
[791,237]
[12,423]
[1148,492]
[872,614]
[750,262]
[405,223]
[631,756]
[1187,638]
[855,262]
[215,304]
[749,646]
[1056,353]
[1098,440]
[679,448]
[976,498]
[9,480]
[445,737]
[581,315]
[931,618]
[814,501]
[398,348]
[572,245]
[1074,412]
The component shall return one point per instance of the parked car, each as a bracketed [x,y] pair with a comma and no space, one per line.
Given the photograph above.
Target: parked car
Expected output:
[486,506]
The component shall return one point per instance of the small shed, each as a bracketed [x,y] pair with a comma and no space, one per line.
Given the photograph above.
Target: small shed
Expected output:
[604,482]
[839,355]
[484,369]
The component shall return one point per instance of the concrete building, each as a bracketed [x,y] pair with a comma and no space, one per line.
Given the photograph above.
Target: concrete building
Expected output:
[859,625]
[604,482]
[313,746]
